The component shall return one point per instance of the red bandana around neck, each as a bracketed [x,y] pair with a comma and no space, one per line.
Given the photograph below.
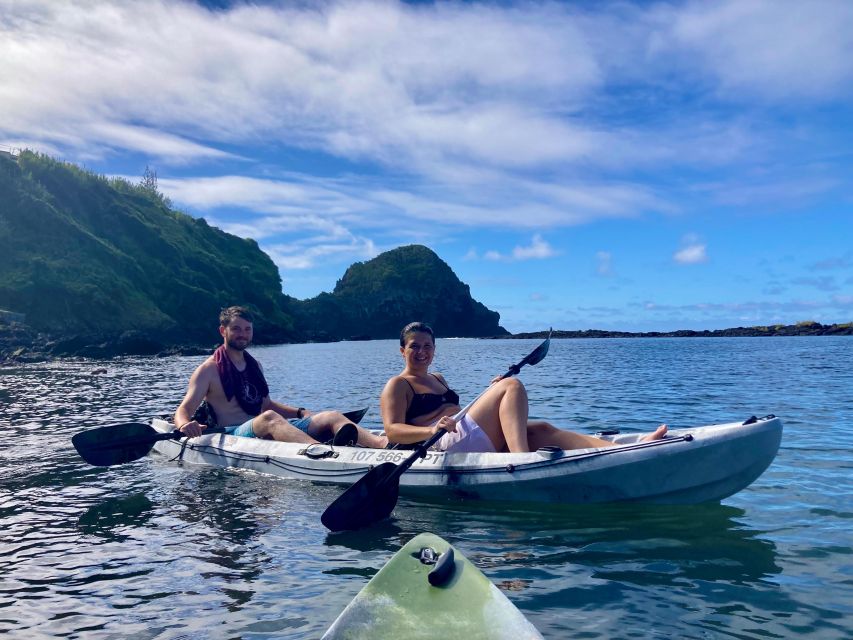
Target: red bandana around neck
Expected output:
[248,386]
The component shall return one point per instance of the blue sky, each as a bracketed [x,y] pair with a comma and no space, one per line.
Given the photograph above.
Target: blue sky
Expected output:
[635,166]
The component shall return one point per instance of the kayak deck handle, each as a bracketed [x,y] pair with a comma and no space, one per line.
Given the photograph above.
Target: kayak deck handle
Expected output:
[550,451]
[607,432]
[445,565]
[317,452]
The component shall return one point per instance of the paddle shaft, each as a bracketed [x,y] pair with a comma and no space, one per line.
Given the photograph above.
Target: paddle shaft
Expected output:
[421,450]
[121,443]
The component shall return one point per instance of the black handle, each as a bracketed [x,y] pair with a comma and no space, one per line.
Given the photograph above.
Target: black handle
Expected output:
[443,569]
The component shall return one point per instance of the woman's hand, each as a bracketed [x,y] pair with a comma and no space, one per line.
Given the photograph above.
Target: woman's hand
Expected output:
[444,422]
[192,429]
[496,379]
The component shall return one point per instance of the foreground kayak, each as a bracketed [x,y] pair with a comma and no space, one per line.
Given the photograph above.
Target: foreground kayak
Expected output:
[703,464]
[416,595]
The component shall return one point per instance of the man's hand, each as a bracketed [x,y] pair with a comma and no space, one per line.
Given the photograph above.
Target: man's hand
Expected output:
[192,429]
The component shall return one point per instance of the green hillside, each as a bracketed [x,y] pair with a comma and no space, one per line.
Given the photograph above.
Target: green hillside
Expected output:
[81,254]
[101,266]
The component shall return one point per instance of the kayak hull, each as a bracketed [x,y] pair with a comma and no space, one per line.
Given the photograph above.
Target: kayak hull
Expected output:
[704,464]
[400,602]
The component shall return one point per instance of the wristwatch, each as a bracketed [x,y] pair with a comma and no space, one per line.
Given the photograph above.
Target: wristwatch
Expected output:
[300,412]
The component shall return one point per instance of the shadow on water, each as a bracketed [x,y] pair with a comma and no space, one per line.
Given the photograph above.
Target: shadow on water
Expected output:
[561,562]
[383,536]
[376,544]
[109,518]
[697,542]
[208,499]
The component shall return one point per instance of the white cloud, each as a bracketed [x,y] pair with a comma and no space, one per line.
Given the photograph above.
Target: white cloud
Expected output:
[538,249]
[307,254]
[777,49]
[366,203]
[382,80]
[691,254]
[153,142]
[366,79]
[469,101]
[693,251]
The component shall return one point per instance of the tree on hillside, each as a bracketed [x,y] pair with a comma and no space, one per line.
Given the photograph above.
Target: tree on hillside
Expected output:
[149,185]
[149,180]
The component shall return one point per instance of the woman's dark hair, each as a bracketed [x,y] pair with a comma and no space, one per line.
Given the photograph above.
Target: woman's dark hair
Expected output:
[415,327]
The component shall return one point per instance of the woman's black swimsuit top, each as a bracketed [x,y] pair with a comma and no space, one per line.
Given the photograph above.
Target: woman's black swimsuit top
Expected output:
[424,403]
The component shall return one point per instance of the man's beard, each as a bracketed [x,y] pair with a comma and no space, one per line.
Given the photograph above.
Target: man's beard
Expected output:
[242,346]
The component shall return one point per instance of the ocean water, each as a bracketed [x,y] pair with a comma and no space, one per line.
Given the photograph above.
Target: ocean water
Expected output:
[153,549]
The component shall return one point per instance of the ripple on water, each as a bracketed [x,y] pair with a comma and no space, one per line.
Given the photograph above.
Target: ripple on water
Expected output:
[157,550]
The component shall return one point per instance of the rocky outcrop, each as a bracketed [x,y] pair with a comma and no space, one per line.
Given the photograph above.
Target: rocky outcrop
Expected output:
[375,299]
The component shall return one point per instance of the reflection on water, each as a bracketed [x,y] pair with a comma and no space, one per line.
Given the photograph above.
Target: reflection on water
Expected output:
[156,549]
[108,518]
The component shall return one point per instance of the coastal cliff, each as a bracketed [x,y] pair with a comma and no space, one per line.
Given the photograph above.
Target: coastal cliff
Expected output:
[374,299]
[96,266]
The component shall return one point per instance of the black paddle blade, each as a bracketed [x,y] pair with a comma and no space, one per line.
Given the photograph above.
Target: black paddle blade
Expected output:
[117,443]
[370,499]
[355,416]
[539,353]
[534,357]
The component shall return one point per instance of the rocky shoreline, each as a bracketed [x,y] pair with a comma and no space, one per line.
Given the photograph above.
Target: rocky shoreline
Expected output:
[21,344]
[799,329]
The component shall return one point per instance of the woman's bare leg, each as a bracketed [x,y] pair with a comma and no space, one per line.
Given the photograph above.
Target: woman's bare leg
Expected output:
[544,434]
[541,434]
[502,414]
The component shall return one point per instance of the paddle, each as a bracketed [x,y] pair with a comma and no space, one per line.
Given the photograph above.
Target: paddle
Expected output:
[374,495]
[129,441]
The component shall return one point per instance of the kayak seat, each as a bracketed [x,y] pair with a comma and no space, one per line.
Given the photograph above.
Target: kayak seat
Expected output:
[346,436]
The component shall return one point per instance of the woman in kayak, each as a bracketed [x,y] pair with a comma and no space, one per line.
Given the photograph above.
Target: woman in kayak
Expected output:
[416,403]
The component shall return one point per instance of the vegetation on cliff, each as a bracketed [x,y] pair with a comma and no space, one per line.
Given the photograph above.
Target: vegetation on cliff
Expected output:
[374,299]
[88,256]
[100,266]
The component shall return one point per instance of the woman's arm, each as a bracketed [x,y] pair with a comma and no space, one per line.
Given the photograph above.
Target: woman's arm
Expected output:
[393,403]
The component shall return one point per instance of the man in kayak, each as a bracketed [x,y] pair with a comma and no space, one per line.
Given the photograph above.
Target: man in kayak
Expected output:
[232,383]
[417,403]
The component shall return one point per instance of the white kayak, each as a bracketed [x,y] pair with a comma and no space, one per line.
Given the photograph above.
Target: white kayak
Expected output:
[430,590]
[702,464]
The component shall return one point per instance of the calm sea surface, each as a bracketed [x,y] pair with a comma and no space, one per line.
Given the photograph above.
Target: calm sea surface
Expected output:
[152,549]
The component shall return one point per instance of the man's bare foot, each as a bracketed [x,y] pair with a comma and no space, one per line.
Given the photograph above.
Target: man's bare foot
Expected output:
[658,434]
